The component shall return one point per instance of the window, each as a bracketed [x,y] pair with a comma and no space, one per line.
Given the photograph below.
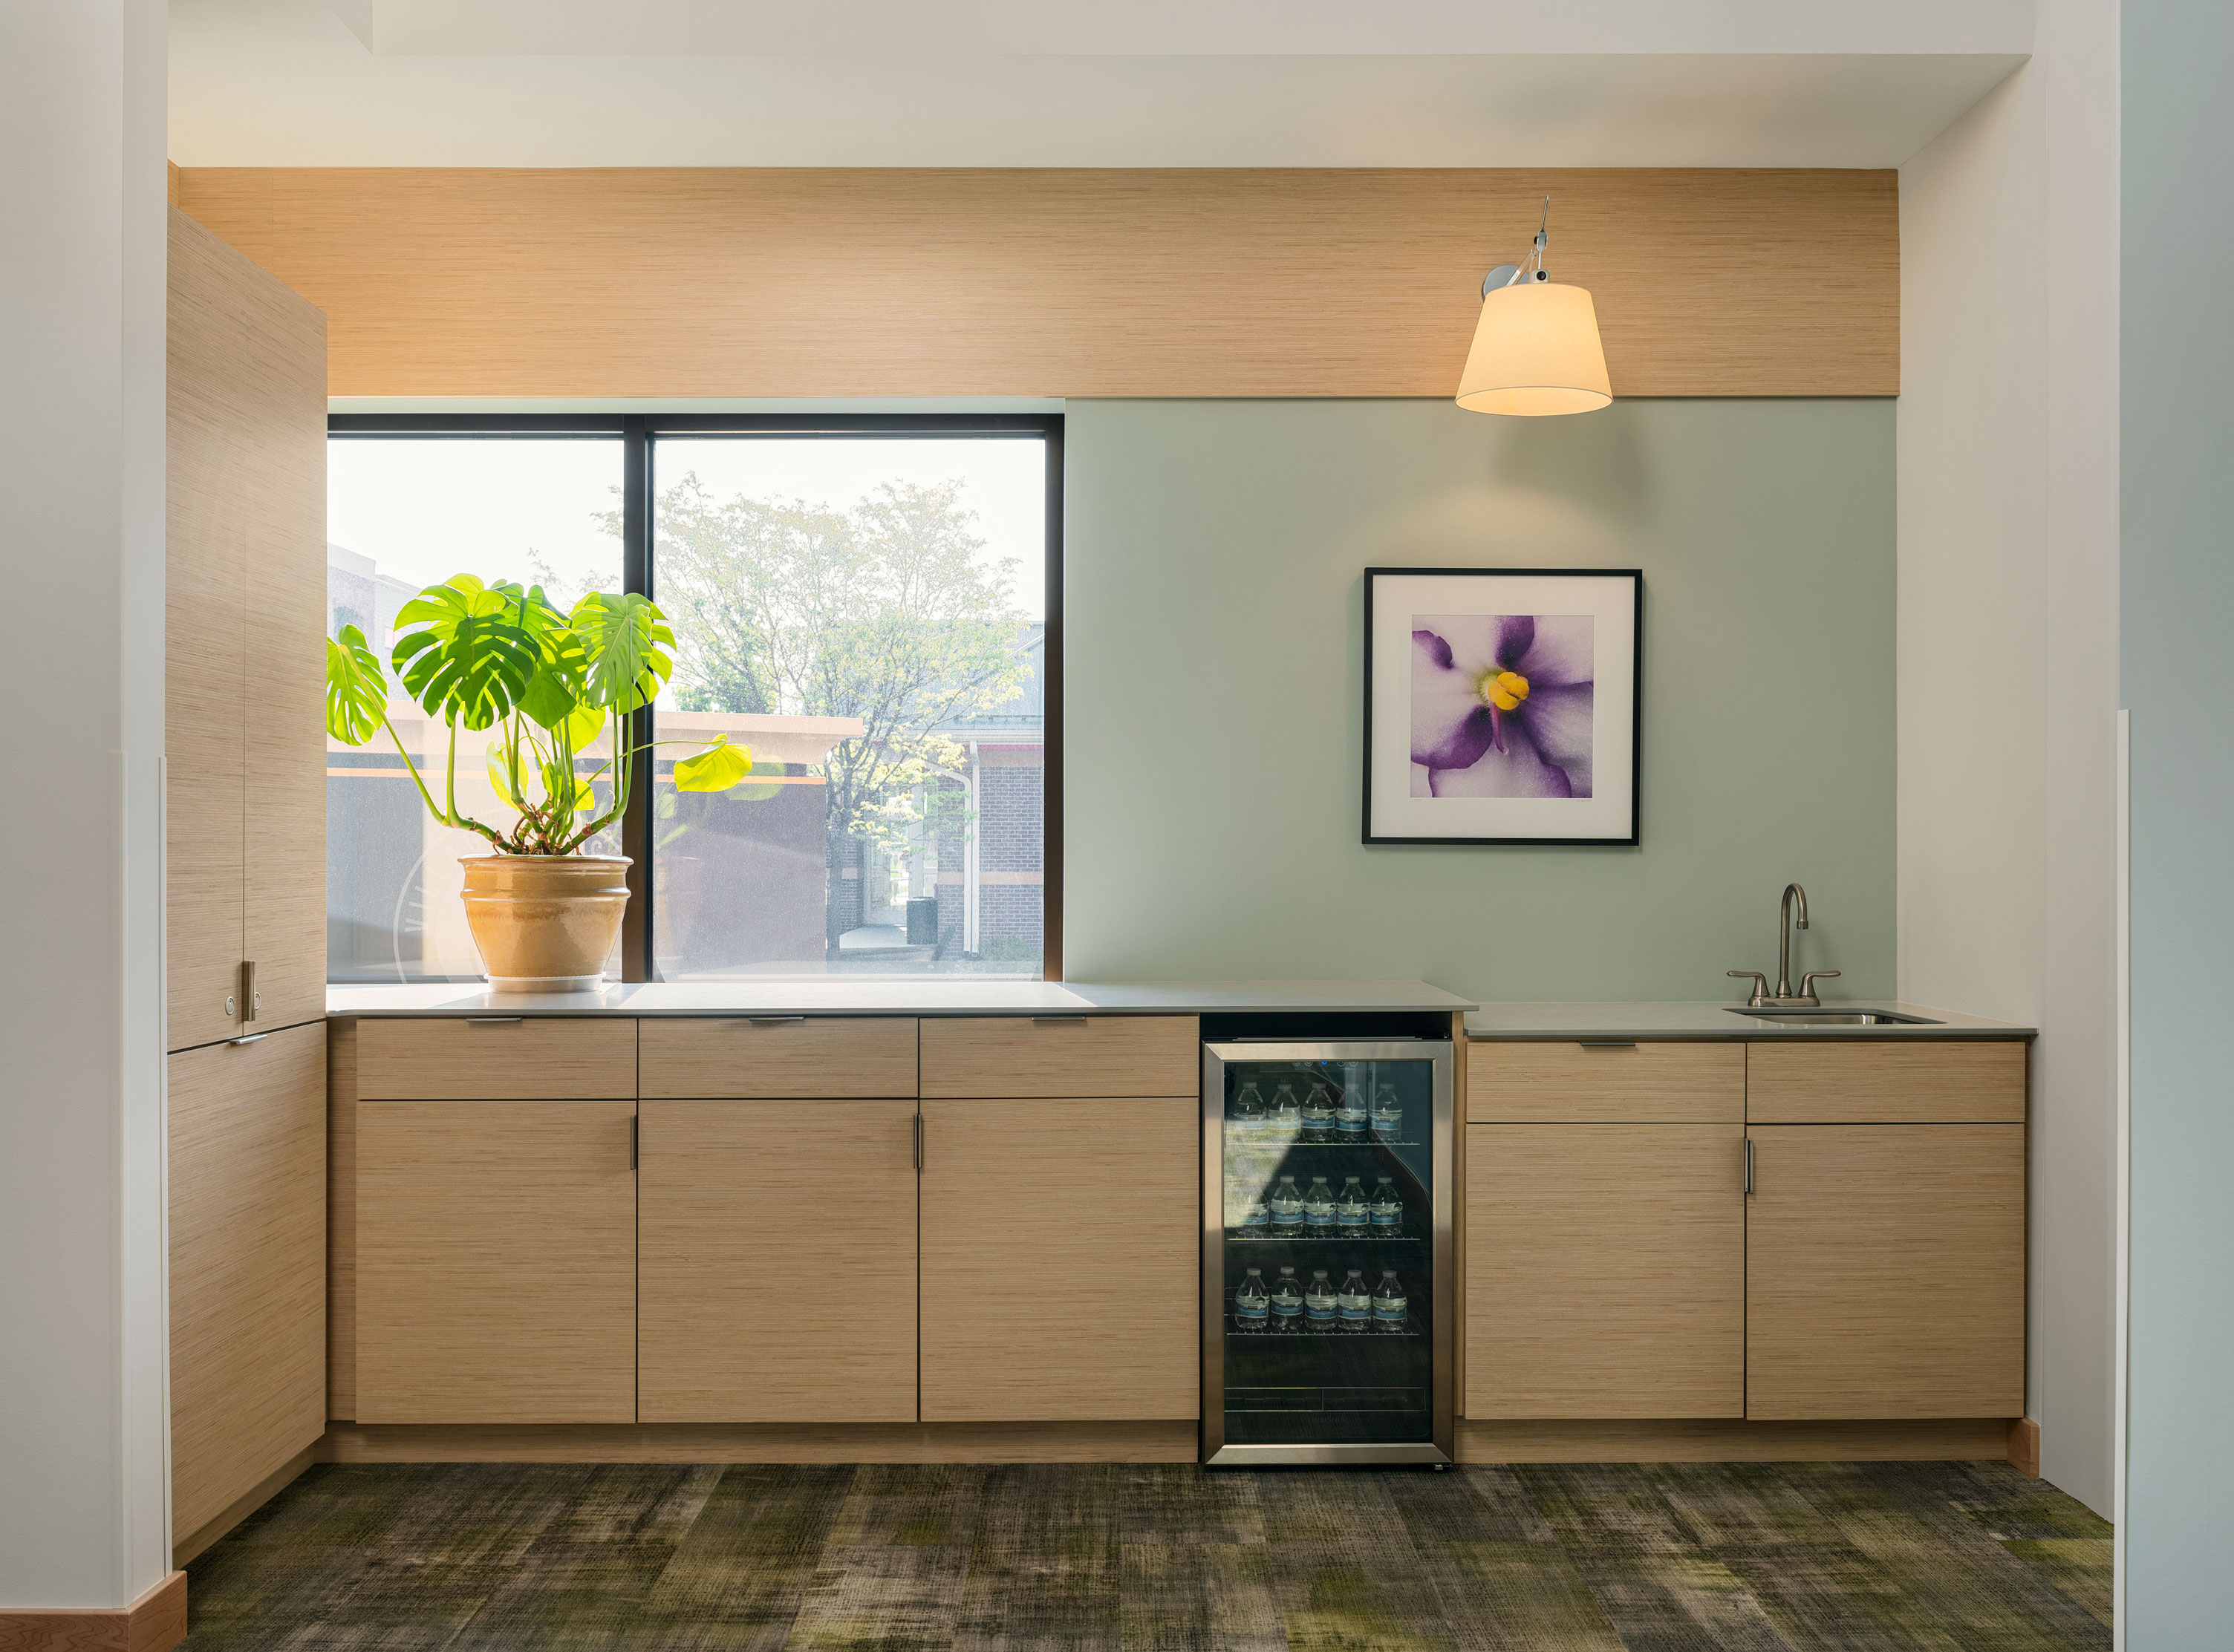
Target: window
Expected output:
[869,606]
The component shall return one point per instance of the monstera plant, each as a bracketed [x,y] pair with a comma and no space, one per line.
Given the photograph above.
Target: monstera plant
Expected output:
[544,683]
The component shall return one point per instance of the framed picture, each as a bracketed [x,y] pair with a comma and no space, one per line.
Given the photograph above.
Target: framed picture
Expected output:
[1501,704]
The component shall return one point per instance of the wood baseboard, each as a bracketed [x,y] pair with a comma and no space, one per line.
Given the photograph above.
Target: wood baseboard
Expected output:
[868,1442]
[191,1546]
[2024,1447]
[1732,1441]
[154,1622]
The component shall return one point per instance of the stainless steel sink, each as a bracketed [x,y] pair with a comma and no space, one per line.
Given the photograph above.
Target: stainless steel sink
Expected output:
[1837,1018]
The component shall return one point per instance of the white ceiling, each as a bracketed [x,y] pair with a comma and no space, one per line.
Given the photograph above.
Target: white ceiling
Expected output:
[1031,83]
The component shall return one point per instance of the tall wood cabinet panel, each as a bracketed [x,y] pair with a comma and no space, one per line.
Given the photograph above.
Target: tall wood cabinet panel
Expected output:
[1884,1271]
[776,1263]
[248,1270]
[245,610]
[495,1262]
[1060,1243]
[1608,1275]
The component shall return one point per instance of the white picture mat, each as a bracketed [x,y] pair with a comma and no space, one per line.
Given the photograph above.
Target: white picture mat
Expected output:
[1611,601]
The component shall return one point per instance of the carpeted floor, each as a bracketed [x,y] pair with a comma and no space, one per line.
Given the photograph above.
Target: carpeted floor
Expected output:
[1959,1556]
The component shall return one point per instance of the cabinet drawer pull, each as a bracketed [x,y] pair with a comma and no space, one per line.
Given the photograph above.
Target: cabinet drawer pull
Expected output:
[772,1020]
[494,1021]
[250,1038]
[1607,1043]
[1059,1021]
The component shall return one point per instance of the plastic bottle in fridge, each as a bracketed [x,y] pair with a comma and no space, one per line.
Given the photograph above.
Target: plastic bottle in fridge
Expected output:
[1318,1301]
[1287,1207]
[1318,1207]
[1388,1112]
[1249,1109]
[1353,1303]
[1287,1114]
[1287,1302]
[1318,1112]
[1353,1216]
[1387,1208]
[1252,1305]
[1388,1303]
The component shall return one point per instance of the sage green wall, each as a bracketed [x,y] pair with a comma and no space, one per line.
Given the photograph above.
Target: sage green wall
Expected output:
[1213,609]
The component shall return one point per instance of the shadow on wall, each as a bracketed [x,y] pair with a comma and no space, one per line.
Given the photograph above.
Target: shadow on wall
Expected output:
[1559,493]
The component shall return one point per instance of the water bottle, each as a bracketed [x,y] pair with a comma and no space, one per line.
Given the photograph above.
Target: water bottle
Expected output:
[1287,1207]
[1248,1110]
[1387,1113]
[1256,1217]
[1287,1302]
[1388,1303]
[1318,1208]
[1388,1209]
[1287,1116]
[1318,1113]
[1350,1122]
[1318,1302]
[1354,1303]
[1353,1216]
[1251,1306]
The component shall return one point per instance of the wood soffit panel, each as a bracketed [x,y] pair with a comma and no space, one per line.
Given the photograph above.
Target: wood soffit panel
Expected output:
[861,282]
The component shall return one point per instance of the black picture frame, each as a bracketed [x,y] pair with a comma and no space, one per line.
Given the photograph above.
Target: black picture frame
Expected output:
[1375,596]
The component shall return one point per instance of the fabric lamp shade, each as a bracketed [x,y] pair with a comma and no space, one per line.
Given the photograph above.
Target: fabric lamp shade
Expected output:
[1536,350]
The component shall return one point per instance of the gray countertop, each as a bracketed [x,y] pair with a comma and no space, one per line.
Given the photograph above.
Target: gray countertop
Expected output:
[900,996]
[1714,1020]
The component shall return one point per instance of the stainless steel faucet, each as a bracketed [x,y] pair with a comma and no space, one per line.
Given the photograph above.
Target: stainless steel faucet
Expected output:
[1762,997]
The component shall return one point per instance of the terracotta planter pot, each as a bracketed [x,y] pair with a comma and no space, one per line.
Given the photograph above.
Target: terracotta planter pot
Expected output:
[544,922]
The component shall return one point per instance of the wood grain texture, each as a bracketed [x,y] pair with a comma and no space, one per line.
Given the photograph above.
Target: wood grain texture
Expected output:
[1884,1271]
[832,1056]
[154,1622]
[554,1058]
[1461,1065]
[1060,1244]
[1610,1270]
[2024,1447]
[247,1264]
[1571,1083]
[248,1267]
[1000,1056]
[341,1218]
[776,1262]
[1167,1441]
[496,1262]
[1138,282]
[1678,1440]
[191,1545]
[1862,1082]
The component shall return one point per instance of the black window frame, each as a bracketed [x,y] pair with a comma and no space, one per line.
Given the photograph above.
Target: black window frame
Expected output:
[638,434]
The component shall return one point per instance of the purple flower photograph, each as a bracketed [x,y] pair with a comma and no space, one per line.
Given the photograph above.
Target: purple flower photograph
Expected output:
[1501,705]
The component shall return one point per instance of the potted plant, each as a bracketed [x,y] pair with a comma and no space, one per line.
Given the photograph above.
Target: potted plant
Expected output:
[503,657]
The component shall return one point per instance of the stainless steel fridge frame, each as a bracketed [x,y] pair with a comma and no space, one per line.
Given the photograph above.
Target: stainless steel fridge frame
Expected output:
[1443,1401]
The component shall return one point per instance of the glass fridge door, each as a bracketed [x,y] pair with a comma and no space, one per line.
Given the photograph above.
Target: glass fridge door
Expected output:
[1326,1312]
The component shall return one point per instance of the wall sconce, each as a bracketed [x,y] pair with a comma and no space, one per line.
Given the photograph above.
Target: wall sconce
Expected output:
[1536,348]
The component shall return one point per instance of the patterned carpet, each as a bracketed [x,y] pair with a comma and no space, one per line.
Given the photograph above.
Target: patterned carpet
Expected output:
[1856,1556]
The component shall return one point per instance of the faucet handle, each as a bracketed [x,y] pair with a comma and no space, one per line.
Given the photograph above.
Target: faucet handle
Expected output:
[1807,984]
[1760,985]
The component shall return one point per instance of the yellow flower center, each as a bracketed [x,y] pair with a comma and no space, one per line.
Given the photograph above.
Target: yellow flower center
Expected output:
[1504,689]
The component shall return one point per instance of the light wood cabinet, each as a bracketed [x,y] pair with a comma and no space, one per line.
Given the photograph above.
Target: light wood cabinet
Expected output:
[1607,1271]
[778,1058]
[1605,1083]
[1028,1056]
[1861,1081]
[496,1256]
[777,1260]
[1884,1271]
[248,1270]
[496,1058]
[1062,1241]
[245,613]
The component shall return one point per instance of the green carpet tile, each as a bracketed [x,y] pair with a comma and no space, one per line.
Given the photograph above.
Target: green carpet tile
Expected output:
[1629,1558]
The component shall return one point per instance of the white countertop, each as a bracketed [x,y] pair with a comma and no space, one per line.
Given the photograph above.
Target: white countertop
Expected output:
[1714,1020]
[901,995]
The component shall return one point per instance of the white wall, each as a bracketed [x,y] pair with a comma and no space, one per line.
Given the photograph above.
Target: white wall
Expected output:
[84,1467]
[2008,659]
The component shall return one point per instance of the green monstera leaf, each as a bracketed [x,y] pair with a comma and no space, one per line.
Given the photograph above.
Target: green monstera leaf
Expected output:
[357,689]
[621,635]
[474,650]
[715,769]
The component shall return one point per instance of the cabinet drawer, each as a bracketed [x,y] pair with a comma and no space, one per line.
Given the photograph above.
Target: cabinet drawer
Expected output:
[1571,1083]
[1886,1083]
[1061,1055]
[788,1059]
[498,1059]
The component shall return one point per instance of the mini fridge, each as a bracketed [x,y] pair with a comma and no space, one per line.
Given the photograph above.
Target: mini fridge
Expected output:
[1328,1295]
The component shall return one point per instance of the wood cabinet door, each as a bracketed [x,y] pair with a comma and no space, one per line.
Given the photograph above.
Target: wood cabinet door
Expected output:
[776,1266]
[1031,1056]
[248,1266]
[1606,1270]
[1062,1241]
[495,1262]
[1884,1271]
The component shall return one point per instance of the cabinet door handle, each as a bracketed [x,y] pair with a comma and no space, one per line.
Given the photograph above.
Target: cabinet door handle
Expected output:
[251,1001]
[1607,1043]
[494,1021]
[1059,1021]
[632,1117]
[772,1020]
[1748,1141]
[918,1144]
